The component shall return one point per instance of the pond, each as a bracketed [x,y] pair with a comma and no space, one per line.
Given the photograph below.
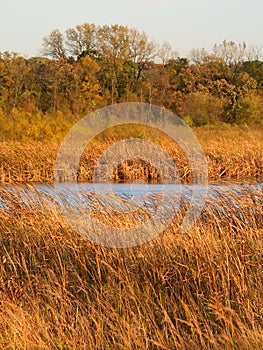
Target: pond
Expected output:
[131,195]
[128,215]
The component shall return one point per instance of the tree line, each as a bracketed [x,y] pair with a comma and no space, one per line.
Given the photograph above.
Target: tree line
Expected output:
[90,66]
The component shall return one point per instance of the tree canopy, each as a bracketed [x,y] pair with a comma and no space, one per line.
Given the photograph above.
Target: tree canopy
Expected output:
[91,66]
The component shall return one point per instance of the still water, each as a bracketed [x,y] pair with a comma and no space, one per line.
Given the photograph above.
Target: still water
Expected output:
[136,194]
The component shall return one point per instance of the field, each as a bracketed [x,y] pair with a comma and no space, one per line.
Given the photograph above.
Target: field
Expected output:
[200,290]
[197,290]
[232,153]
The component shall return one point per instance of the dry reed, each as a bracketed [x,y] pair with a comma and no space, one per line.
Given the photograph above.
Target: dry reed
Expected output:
[200,290]
[232,154]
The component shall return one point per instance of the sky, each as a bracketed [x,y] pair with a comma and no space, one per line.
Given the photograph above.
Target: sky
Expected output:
[185,24]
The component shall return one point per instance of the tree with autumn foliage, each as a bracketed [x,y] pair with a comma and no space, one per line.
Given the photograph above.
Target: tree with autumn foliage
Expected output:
[90,66]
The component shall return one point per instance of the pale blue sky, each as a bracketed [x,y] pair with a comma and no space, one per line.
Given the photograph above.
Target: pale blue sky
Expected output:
[185,24]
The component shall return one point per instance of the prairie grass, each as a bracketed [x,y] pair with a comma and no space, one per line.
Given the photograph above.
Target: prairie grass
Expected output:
[199,290]
[232,153]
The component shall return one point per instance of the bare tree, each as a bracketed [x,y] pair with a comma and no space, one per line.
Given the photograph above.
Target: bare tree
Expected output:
[141,49]
[81,39]
[231,52]
[53,45]
[166,53]
[198,56]
[254,53]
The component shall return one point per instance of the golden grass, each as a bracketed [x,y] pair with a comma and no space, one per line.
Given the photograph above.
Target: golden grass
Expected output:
[200,290]
[232,153]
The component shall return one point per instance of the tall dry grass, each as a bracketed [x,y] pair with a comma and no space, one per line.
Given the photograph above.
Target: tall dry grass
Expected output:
[232,153]
[200,290]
